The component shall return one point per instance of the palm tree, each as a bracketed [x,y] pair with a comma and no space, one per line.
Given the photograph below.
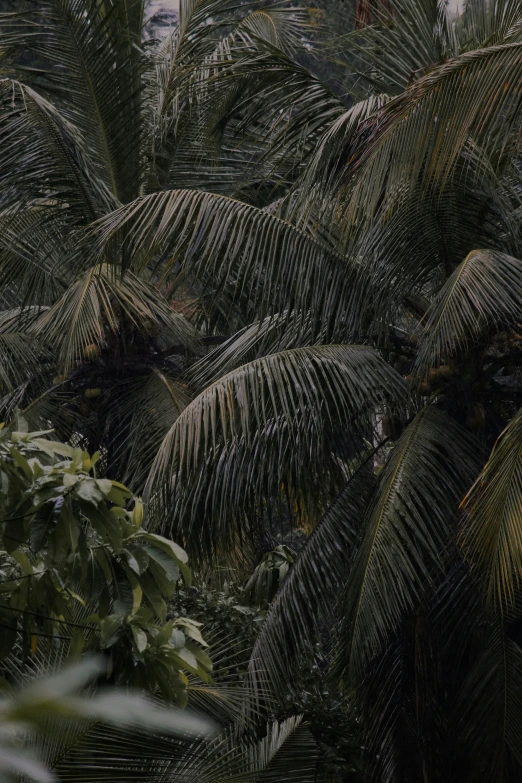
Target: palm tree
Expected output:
[96,117]
[362,262]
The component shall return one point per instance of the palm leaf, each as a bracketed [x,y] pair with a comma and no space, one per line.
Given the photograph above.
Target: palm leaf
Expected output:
[424,131]
[274,333]
[485,24]
[268,423]
[93,64]
[237,251]
[154,407]
[43,159]
[87,313]
[407,534]
[491,537]
[402,39]
[484,291]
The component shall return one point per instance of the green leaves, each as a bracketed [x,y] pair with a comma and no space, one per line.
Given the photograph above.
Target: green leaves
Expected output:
[82,570]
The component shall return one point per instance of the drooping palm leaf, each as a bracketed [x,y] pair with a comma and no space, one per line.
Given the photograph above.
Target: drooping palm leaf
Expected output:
[238,251]
[491,536]
[264,425]
[402,39]
[155,405]
[407,534]
[485,24]
[273,334]
[484,291]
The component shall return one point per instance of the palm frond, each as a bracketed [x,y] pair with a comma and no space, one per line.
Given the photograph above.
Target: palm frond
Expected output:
[18,359]
[43,159]
[401,39]
[484,291]
[334,149]
[425,131]
[93,306]
[491,535]
[273,334]
[154,406]
[261,427]
[482,24]
[407,534]
[237,251]
[92,65]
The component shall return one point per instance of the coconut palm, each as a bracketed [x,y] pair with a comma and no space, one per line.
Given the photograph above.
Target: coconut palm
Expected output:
[359,264]
[95,116]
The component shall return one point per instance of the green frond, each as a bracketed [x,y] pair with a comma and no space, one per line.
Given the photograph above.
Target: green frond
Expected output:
[93,307]
[93,65]
[482,24]
[335,148]
[421,135]
[237,253]
[262,427]
[491,537]
[44,161]
[275,333]
[18,359]
[406,535]
[484,291]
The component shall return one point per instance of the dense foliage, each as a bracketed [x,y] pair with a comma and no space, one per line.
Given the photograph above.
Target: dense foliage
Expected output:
[271,275]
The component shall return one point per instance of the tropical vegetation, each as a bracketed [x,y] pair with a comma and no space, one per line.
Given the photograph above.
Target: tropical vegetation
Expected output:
[266,271]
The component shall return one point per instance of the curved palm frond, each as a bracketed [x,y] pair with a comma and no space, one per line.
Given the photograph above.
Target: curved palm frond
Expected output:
[484,291]
[406,536]
[421,135]
[264,425]
[18,359]
[93,66]
[275,333]
[241,253]
[491,537]
[335,148]
[283,27]
[93,306]
[43,159]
